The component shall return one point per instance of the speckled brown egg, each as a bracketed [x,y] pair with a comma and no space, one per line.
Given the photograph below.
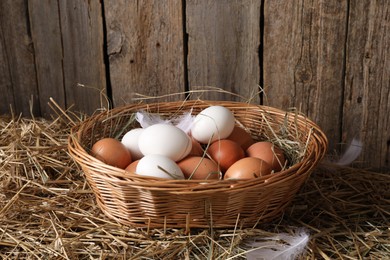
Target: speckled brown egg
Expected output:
[268,152]
[132,166]
[111,152]
[247,168]
[242,137]
[199,168]
[196,149]
[225,152]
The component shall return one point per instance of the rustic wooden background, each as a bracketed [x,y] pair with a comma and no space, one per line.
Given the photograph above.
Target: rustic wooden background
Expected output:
[330,58]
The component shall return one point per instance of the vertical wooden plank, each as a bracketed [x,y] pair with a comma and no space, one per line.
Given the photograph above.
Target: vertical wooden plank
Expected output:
[83,62]
[283,37]
[367,94]
[223,45]
[304,59]
[46,35]
[19,53]
[145,47]
[6,89]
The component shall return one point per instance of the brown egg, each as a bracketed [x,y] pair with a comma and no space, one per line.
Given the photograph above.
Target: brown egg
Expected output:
[199,167]
[242,137]
[248,168]
[112,152]
[197,149]
[132,166]
[270,153]
[225,152]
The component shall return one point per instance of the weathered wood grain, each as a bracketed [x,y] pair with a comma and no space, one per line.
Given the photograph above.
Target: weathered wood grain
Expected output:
[46,36]
[6,89]
[223,45]
[145,48]
[366,108]
[83,62]
[304,59]
[19,52]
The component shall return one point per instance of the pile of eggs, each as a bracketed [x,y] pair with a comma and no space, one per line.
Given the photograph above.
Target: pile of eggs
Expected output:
[214,148]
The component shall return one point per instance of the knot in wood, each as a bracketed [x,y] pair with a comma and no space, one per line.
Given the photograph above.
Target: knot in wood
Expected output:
[115,41]
[303,75]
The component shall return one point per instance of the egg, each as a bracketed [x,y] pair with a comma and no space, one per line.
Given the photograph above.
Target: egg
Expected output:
[132,166]
[199,168]
[112,152]
[165,139]
[242,137]
[130,140]
[212,123]
[225,152]
[160,166]
[247,168]
[268,152]
[196,149]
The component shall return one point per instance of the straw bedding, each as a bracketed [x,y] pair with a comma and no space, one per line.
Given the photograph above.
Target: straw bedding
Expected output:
[47,209]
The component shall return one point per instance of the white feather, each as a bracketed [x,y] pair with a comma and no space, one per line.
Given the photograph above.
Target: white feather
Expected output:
[282,246]
[351,154]
[146,119]
[184,122]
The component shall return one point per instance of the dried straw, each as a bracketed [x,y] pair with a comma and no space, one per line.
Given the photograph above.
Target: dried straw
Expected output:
[47,209]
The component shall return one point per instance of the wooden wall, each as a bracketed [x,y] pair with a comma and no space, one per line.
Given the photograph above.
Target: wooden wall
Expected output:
[330,58]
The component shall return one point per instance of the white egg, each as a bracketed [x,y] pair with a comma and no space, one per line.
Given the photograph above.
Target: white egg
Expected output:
[165,139]
[212,123]
[130,140]
[159,166]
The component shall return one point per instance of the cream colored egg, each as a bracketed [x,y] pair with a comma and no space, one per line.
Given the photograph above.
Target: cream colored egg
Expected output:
[130,140]
[165,139]
[212,123]
[159,166]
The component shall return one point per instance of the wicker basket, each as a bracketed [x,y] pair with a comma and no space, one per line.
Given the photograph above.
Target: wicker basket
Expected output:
[154,203]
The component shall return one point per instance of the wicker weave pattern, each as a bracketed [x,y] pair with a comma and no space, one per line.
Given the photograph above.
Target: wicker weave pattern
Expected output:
[149,202]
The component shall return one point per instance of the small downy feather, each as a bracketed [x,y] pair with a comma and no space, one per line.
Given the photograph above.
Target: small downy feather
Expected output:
[184,122]
[351,153]
[282,246]
[146,119]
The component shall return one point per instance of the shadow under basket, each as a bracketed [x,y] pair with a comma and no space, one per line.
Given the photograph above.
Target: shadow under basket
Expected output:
[150,202]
